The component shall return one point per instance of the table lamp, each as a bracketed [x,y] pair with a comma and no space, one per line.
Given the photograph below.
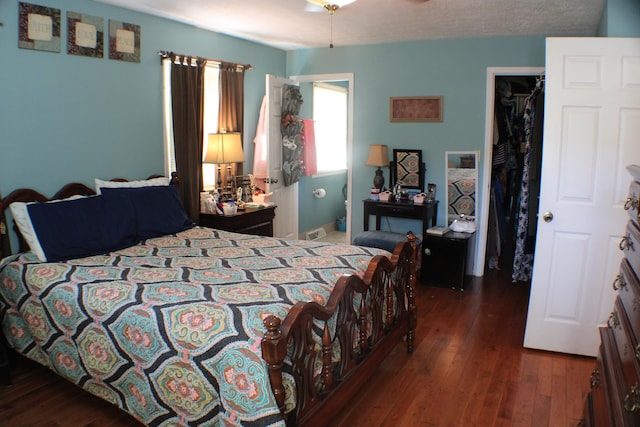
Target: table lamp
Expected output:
[224,148]
[378,156]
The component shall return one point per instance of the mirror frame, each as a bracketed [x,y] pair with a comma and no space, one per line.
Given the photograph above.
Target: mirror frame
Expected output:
[463,177]
[404,164]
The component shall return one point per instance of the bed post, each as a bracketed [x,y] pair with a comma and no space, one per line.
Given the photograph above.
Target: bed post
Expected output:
[274,350]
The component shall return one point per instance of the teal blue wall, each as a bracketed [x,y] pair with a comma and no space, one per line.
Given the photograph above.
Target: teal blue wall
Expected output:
[455,69]
[620,18]
[65,117]
[71,118]
[315,212]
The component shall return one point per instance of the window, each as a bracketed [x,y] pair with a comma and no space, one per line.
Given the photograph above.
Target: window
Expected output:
[330,116]
[210,125]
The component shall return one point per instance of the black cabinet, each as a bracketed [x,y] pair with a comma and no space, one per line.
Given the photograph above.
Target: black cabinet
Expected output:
[444,259]
[5,378]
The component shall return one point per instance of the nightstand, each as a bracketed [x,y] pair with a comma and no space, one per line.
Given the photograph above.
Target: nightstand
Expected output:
[258,221]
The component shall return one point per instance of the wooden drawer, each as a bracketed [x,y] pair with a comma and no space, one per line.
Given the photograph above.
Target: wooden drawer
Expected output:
[587,414]
[619,398]
[628,287]
[249,221]
[599,401]
[628,352]
[632,205]
[611,376]
[630,245]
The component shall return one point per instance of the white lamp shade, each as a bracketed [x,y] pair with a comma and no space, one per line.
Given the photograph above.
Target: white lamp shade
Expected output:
[224,148]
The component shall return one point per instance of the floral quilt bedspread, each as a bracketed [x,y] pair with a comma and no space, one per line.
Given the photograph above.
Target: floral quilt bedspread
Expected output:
[169,330]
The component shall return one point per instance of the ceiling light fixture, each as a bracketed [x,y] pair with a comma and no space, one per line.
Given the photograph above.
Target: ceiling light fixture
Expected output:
[331,8]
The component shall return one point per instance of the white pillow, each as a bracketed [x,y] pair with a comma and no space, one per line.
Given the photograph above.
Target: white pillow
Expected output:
[153,182]
[20,215]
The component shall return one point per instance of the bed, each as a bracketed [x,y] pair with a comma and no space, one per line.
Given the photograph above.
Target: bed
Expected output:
[197,326]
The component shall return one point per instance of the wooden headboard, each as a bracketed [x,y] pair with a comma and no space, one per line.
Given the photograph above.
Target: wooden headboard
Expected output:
[29,195]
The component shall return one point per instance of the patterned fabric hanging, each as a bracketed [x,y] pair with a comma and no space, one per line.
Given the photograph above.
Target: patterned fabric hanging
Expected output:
[523,262]
[291,128]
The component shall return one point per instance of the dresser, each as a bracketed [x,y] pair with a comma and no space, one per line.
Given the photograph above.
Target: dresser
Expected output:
[614,399]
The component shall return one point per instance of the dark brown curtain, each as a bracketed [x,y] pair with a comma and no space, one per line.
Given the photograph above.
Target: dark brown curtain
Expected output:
[187,93]
[231,114]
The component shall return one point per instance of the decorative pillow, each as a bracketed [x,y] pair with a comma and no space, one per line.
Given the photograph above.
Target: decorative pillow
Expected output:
[153,182]
[81,227]
[159,210]
[22,219]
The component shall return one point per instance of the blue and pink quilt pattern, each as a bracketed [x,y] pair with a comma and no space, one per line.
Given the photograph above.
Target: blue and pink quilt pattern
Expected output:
[169,330]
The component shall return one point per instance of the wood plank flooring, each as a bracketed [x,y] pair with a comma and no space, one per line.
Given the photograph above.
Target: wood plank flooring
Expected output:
[468,369]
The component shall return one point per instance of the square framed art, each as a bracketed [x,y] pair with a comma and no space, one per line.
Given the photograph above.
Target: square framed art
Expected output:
[124,41]
[38,27]
[85,35]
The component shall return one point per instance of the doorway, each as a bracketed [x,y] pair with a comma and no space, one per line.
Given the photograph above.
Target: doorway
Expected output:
[335,203]
[511,172]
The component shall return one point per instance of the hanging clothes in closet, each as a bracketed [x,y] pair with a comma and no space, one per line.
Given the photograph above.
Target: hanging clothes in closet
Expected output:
[528,197]
[506,165]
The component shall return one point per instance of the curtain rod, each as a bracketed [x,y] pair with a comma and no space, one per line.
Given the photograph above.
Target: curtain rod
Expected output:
[167,54]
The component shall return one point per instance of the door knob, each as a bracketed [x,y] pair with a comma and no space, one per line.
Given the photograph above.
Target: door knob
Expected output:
[547,216]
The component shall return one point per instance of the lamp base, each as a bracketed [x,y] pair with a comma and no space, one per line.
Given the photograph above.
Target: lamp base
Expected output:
[378,180]
[219,180]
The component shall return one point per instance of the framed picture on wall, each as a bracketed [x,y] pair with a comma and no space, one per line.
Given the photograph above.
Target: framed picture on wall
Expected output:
[85,35]
[124,41]
[38,27]
[415,109]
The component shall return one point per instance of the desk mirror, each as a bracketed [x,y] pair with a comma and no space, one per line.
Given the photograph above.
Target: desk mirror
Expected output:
[462,183]
[407,169]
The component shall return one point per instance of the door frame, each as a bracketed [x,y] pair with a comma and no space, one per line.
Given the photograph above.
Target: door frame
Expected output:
[492,73]
[348,77]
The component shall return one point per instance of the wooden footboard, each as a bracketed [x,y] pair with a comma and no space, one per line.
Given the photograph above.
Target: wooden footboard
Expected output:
[364,319]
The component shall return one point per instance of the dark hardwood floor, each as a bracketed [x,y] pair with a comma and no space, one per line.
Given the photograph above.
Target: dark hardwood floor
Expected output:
[468,369]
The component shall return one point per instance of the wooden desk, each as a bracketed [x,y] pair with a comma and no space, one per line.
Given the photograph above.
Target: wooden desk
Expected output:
[249,221]
[427,212]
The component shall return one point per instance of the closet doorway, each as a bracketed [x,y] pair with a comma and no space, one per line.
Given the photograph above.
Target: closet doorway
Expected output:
[511,173]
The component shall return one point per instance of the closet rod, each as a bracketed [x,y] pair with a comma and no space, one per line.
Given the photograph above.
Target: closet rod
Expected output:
[167,54]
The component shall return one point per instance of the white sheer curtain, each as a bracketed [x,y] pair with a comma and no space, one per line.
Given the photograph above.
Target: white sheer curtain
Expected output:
[210,125]
[167,116]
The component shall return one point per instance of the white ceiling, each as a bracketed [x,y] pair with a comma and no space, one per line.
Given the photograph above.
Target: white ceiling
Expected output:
[293,24]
